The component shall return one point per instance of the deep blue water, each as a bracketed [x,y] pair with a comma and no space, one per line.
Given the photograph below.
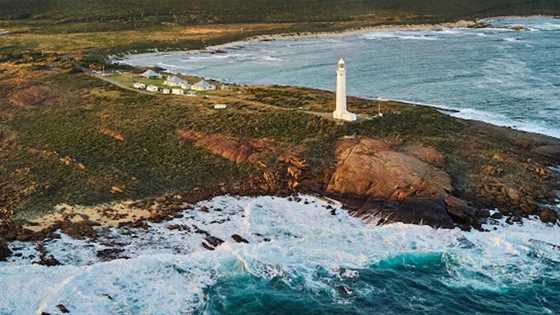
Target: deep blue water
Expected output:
[495,74]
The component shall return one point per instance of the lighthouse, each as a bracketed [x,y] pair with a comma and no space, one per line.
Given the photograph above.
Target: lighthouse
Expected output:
[341,111]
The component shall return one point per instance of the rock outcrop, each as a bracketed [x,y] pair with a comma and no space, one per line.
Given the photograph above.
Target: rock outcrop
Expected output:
[369,167]
[389,185]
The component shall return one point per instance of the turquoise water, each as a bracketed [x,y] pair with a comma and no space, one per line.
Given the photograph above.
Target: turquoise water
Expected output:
[495,74]
[299,259]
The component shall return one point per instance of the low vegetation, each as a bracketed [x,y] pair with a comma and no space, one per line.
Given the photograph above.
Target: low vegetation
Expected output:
[67,137]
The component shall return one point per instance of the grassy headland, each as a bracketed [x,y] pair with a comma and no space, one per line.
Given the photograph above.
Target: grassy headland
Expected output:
[66,137]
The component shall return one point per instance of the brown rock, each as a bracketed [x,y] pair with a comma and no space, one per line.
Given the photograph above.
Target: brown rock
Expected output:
[548,215]
[460,210]
[426,154]
[239,239]
[5,251]
[368,167]
[113,134]
[500,157]
[512,193]
[116,190]
[62,309]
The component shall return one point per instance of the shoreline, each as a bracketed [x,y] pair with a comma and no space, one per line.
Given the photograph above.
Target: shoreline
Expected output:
[120,214]
[452,111]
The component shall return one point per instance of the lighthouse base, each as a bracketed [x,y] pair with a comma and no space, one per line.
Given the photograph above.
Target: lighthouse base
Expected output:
[346,116]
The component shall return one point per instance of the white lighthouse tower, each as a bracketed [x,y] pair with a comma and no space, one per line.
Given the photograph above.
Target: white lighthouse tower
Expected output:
[341,112]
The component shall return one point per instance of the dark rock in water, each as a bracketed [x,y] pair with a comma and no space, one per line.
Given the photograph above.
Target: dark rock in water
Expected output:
[460,210]
[208,247]
[548,215]
[49,261]
[78,230]
[239,239]
[214,241]
[497,216]
[211,242]
[514,219]
[344,290]
[412,211]
[109,254]
[45,313]
[63,309]
[5,251]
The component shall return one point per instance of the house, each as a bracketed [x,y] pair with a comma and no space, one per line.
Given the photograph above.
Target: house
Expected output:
[176,81]
[178,91]
[139,86]
[165,91]
[220,106]
[203,86]
[152,88]
[150,74]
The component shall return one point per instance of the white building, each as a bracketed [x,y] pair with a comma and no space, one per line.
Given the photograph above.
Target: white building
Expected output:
[177,91]
[139,86]
[165,91]
[203,86]
[150,74]
[175,81]
[341,111]
[220,106]
[152,88]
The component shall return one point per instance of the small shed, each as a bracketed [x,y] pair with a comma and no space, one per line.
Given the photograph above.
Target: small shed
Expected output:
[202,85]
[220,106]
[175,81]
[165,91]
[150,74]
[139,86]
[152,88]
[178,91]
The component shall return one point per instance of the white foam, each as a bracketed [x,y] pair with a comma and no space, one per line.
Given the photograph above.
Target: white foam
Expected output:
[401,35]
[168,268]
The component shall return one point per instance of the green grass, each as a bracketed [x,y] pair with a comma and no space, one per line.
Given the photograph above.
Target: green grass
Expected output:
[287,126]
[150,161]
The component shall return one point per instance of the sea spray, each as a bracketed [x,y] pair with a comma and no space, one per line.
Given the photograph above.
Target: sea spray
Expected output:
[301,257]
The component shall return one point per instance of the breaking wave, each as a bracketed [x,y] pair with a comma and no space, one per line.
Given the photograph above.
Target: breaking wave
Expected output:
[292,255]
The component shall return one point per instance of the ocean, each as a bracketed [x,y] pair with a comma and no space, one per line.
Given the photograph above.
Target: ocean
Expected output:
[495,74]
[304,255]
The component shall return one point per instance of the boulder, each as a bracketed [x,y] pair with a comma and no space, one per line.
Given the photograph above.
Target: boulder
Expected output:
[460,210]
[5,251]
[370,168]
[239,239]
[548,215]
[413,211]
